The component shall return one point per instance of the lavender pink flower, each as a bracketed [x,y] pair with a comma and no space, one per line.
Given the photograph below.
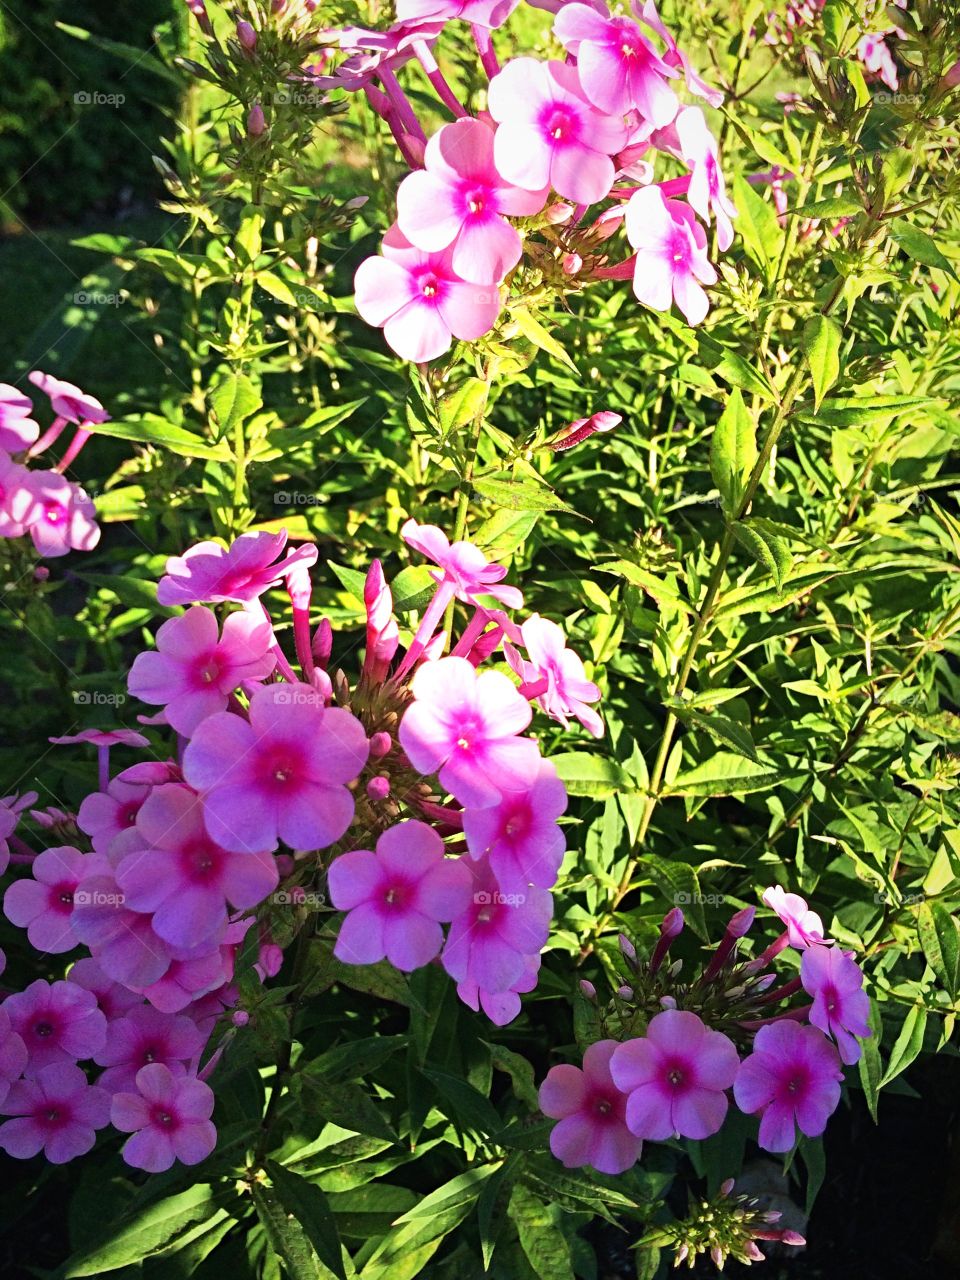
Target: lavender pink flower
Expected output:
[144,1035]
[18,430]
[804,927]
[57,1112]
[58,1022]
[57,514]
[707,191]
[520,835]
[169,1118]
[68,401]
[671,259]
[43,902]
[591,1111]
[13,1054]
[554,675]
[840,1005]
[792,1078]
[211,574]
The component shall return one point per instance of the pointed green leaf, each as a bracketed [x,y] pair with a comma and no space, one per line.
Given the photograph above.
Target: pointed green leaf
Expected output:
[821,347]
[769,551]
[733,451]
[309,1206]
[940,939]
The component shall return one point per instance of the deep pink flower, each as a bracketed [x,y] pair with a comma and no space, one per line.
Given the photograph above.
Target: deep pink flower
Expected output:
[804,927]
[395,898]
[57,513]
[465,725]
[520,835]
[195,668]
[675,1077]
[69,401]
[671,263]
[122,941]
[169,1117]
[501,1007]
[550,135]
[554,676]
[181,876]
[189,979]
[619,68]
[113,998]
[142,1036]
[840,1005]
[13,497]
[281,774]
[211,574]
[491,942]
[57,1022]
[103,738]
[707,190]
[43,903]
[382,631]
[13,1054]
[459,200]
[57,1113]
[11,809]
[793,1076]
[109,817]
[419,300]
[592,1114]
[581,429]
[17,428]
[460,566]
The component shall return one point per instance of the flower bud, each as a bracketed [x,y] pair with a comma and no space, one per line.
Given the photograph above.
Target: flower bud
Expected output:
[256,122]
[380,744]
[247,36]
[588,989]
[378,788]
[240,1017]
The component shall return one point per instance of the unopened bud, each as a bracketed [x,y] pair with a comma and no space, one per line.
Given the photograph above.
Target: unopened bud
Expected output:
[247,36]
[378,788]
[588,989]
[380,744]
[256,122]
[240,1018]
[558,213]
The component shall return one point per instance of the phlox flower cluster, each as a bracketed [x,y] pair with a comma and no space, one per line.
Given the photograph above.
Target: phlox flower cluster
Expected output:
[509,199]
[55,512]
[412,800]
[728,1031]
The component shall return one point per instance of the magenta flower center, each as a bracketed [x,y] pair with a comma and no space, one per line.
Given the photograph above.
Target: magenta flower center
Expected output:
[209,670]
[54,513]
[830,999]
[675,1075]
[559,123]
[679,248]
[518,824]
[43,1029]
[201,862]
[63,893]
[396,896]
[162,1117]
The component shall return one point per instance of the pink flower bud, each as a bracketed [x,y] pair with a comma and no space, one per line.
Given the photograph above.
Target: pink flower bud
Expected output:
[951,77]
[285,864]
[323,643]
[299,586]
[240,1018]
[576,432]
[571,263]
[558,213]
[247,36]
[380,744]
[588,989]
[793,1238]
[378,788]
[256,122]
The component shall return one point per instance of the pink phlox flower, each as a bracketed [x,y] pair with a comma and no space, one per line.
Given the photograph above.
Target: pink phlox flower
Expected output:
[279,775]
[592,1113]
[195,668]
[676,1077]
[396,897]
[374,51]
[707,190]
[13,497]
[181,876]
[109,817]
[805,928]
[11,810]
[520,835]
[840,1005]
[103,738]
[775,177]
[459,199]
[57,513]
[491,942]
[793,1077]
[501,1007]
[382,630]
[188,979]
[122,941]
[674,55]
[142,1036]
[877,58]
[58,1022]
[618,68]
[57,1112]
[211,574]
[113,998]
[169,1118]
[13,1054]
[464,725]
[69,401]
[420,301]
[42,903]
[550,134]
[671,261]
[17,428]
[554,676]
[581,429]
[482,13]
[461,566]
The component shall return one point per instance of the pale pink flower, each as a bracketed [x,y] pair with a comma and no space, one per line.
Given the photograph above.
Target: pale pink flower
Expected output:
[671,260]
[144,1035]
[420,301]
[793,1077]
[676,1077]
[195,668]
[169,1117]
[674,55]
[382,630]
[17,428]
[550,134]
[592,1114]
[13,497]
[43,902]
[520,835]
[465,726]
[190,979]
[707,190]
[57,1113]
[279,775]
[501,1007]
[103,738]
[69,401]
[840,1005]
[554,676]
[11,809]
[804,927]
[460,200]
[181,876]
[396,897]
[58,1022]
[57,514]
[619,69]
[877,58]
[211,574]
[122,941]
[482,13]
[109,817]
[461,566]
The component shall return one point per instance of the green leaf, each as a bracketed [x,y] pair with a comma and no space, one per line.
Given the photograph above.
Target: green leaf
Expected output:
[520,495]
[491,1209]
[159,1227]
[309,1206]
[761,599]
[505,531]
[908,1043]
[286,1237]
[940,940]
[811,1150]
[832,207]
[655,587]
[733,368]
[129,53]
[352,579]
[520,1071]
[155,430]
[769,551]
[233,400]
[820,341]
[680,885]
[733,451]
[727,731]
[916,244]
[413,588]
[468,1108]
[726,774]
[871,1068]
[539,1226]
[464,405]
[346,1105]
[757,224]
[534,332]
[355,1058]
[589,775]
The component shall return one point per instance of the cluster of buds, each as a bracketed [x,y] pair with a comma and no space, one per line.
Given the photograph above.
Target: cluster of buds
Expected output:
[728,1226]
